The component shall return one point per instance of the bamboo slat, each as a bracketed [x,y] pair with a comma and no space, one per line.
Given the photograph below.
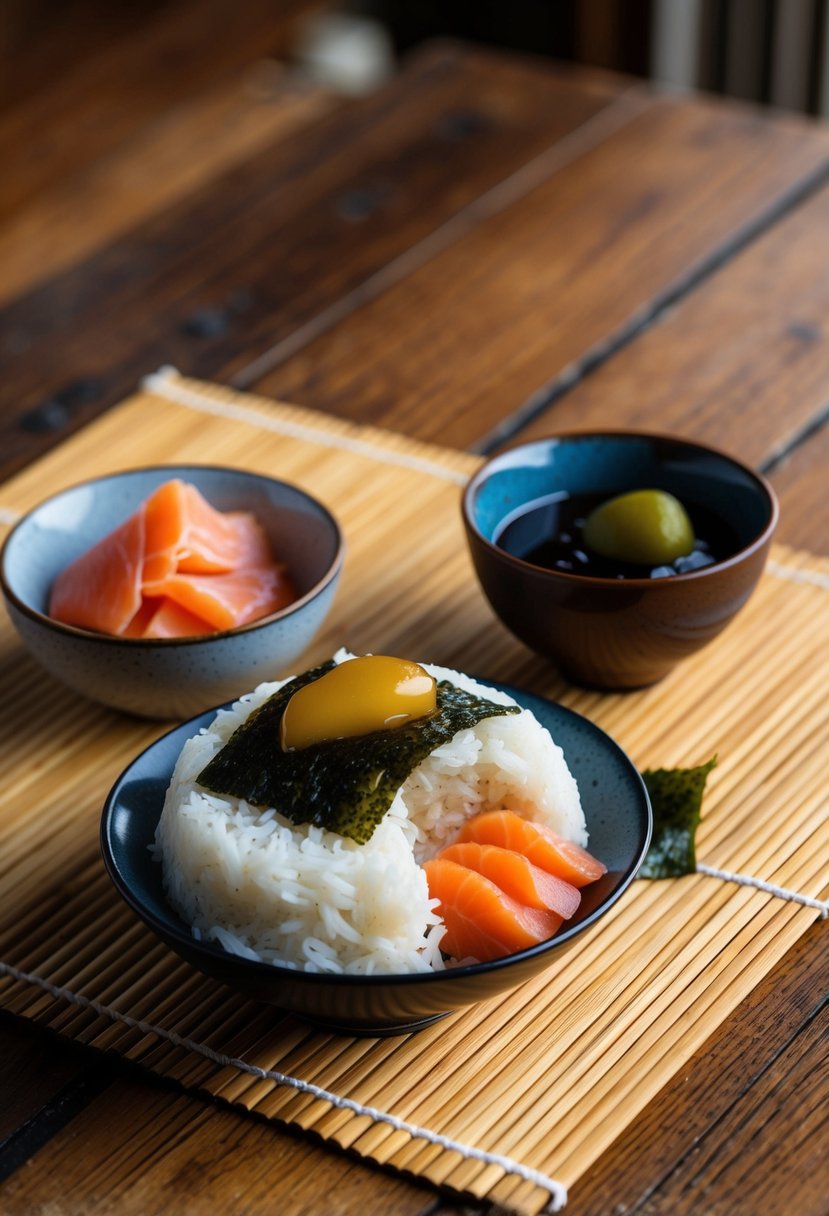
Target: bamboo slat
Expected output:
[549,1074]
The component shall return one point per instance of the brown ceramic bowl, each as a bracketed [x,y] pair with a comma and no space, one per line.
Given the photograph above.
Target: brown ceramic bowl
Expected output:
[610,632]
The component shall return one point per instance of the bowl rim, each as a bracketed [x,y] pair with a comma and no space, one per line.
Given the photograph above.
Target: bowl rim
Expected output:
[630,584]
[168,929]
[75,631]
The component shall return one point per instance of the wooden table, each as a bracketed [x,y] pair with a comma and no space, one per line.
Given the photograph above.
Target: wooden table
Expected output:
[489,248]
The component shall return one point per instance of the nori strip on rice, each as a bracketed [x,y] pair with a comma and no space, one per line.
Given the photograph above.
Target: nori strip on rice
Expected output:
[343,785]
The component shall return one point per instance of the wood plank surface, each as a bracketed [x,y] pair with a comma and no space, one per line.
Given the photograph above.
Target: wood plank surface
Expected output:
[190,144]
[769,1149]
[463,345]
[212,282]
[650,1168]
[742,363]
[144,1148]
[466,336]
[85,112]
[801,483]
[33,1071]
[41,41]
[111,437]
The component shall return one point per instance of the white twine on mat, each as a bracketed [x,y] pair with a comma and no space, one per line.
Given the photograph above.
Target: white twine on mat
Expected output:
[746,880]
[166,383]
[556,1190]
[793,574]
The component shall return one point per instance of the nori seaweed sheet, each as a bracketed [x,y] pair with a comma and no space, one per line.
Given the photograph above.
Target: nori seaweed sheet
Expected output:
[676,799]
[344,785]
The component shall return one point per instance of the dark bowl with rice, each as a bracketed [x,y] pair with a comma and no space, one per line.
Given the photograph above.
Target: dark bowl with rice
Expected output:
[618,818]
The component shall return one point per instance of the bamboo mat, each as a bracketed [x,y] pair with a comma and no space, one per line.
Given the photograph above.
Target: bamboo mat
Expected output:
[547,1076]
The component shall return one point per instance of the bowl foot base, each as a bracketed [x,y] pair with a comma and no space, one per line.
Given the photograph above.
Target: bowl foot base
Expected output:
[369,1029]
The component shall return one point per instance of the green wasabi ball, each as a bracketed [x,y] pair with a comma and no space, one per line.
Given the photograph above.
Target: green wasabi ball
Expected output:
[649,527]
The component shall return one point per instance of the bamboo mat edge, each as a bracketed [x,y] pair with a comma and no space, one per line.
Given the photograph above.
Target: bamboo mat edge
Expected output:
[24,489]
[787,564]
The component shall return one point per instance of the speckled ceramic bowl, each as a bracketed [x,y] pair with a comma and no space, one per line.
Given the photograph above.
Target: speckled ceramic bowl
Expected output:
[170,678]
[608,632]
[618,816]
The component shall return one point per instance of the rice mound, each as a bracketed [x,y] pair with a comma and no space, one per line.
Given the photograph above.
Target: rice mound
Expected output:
[303,897]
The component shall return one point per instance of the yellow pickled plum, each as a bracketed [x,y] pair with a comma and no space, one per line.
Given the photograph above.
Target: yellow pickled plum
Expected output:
[359,696]
[649,527]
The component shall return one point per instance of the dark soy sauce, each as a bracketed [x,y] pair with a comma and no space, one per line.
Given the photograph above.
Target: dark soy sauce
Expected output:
[548,533]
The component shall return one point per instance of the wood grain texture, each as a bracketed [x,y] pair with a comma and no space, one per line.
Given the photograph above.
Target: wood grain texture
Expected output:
[741,363]
[32,1073]
[556,1070]
[782,1126]
[190,144]
[800,480]
[765,1059]
[211,283]
[84,113]
[146,1149]
[647,1168]
[461,347]
[41,40]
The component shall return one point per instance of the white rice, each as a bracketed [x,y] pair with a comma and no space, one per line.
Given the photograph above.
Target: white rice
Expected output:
[303,897]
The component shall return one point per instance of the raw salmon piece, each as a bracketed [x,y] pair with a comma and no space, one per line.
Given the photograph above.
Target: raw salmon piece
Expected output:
[227,600]
[176,568]
[517,877]
[101,589]
[539,844]
[481,921]
[185,533]
[252,545]
[142,618]
[167,619]
[165,510]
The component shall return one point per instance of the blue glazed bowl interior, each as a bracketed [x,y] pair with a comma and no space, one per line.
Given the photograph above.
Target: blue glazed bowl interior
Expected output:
[613,464]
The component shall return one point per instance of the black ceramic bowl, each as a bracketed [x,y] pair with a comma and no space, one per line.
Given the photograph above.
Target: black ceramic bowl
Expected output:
[607,632]
[618,819]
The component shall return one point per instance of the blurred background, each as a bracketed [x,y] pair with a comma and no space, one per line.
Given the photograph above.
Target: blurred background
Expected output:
[775,52]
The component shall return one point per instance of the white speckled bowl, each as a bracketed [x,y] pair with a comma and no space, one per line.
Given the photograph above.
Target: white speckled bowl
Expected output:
[170,678]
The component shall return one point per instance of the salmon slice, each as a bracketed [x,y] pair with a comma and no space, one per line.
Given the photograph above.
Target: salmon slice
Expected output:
[252,545]
[185,533]
[142,618]
[167,619]
[101,589]
[176,568]
[227,600]
[517,877]
[539,844]
[481,921]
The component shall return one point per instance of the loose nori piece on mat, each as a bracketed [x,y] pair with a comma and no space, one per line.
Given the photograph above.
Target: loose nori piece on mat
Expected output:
[344,785]
[676,799]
